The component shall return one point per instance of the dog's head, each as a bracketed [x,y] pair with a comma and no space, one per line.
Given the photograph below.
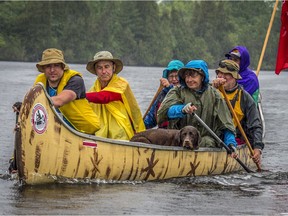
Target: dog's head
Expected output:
[190,137]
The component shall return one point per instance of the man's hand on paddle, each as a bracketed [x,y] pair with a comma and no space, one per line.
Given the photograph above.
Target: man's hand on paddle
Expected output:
[257,156]
[189,108]
[233,151]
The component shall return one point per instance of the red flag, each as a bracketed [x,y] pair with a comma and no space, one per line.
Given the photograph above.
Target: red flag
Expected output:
[282,57]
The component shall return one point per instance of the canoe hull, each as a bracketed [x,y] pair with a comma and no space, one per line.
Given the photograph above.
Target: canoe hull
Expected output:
[47,149]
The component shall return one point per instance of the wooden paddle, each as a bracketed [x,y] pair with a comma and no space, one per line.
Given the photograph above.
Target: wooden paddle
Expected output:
[221,142]
[221,88]
[153,100]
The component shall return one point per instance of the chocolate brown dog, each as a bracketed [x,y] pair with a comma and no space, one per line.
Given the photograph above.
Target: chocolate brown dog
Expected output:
[188,137]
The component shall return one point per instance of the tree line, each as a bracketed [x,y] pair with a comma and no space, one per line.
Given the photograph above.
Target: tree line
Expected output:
[140,33]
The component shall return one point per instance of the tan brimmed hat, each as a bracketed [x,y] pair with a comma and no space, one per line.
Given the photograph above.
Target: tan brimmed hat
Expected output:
[104,56]
[51,56]
[229,66]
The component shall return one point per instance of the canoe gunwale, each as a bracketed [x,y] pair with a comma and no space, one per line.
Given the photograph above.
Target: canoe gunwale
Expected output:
[61,151]
[119,142]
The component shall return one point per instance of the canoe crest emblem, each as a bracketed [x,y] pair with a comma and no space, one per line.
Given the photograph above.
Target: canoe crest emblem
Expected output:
[39,118]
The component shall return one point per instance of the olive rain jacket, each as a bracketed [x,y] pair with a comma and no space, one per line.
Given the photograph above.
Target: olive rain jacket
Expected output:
[211,108]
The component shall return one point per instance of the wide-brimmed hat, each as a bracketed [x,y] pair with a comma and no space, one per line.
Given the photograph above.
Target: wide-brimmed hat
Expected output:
[104,56]
[51,56]
[173,65]
[229,66]
[196,65]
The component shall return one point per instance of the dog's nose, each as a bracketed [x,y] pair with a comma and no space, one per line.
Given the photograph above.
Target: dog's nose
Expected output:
[188,144]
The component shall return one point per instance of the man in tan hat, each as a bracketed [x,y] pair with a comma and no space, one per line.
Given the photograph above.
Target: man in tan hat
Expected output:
[112,99]
[243,105]
[67,90]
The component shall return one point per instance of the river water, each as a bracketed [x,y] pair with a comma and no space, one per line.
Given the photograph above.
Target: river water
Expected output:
[263,193]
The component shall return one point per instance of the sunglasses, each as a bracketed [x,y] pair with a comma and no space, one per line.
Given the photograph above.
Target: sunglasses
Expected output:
[173,76]
[234,58]
[229,67]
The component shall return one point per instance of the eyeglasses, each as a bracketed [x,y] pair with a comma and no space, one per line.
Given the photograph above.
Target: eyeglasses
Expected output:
[192,73]
[229,67]
[173,77]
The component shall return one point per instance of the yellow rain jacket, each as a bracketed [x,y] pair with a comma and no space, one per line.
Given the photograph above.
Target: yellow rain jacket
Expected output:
[119,120]
[77,112]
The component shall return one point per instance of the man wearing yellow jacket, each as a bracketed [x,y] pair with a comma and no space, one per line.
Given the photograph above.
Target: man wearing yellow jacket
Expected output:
[112,99]
[67,90]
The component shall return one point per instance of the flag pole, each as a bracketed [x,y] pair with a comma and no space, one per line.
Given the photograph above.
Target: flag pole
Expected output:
[267,37]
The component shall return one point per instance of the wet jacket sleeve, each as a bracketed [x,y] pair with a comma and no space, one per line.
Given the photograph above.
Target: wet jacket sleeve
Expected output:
[229,138]
[103,97]
[172,98]
[167,89]
[253,126]
[175,111]
[150,118]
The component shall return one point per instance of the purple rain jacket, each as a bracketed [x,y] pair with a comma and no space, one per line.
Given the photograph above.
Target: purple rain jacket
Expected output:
[249,79]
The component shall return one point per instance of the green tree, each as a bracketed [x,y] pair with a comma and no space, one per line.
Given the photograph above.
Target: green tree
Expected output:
[32,27]
[141,33]
[69,25]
